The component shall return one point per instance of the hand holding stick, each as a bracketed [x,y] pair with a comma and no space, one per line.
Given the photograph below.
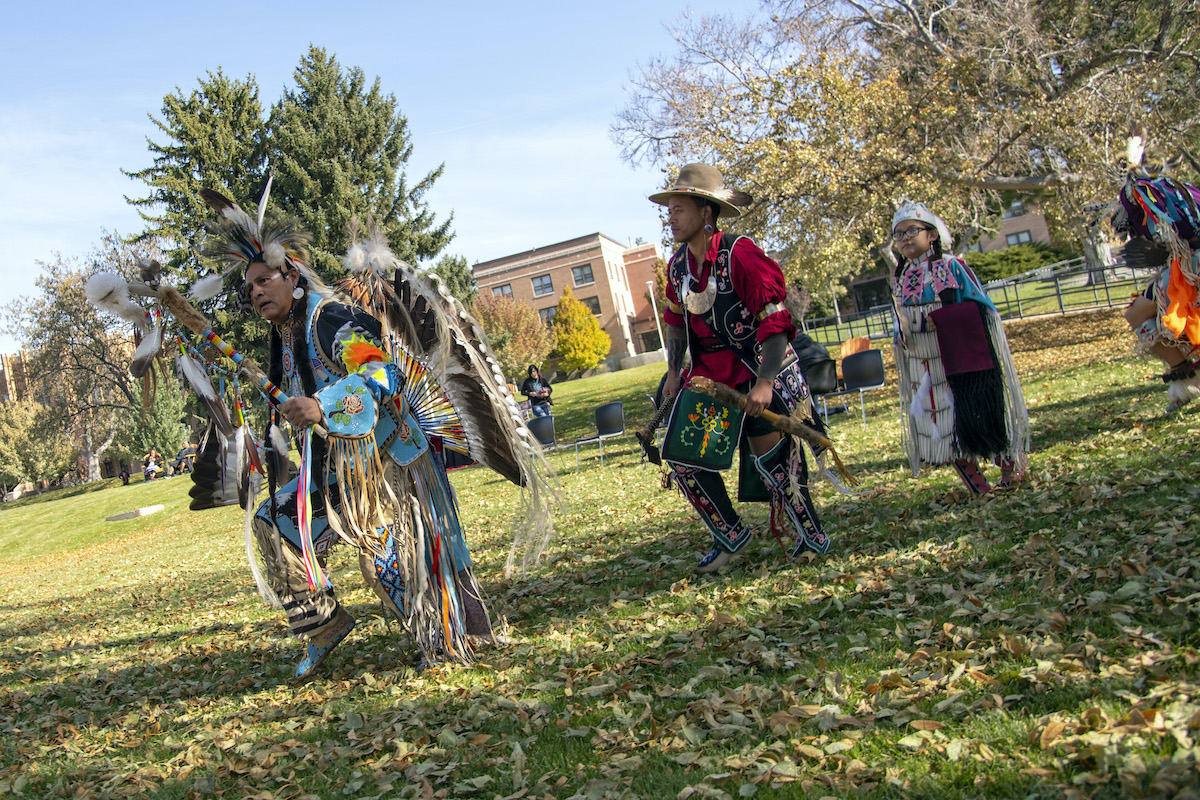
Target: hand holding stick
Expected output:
[645,436]
[789,425]
[186,313]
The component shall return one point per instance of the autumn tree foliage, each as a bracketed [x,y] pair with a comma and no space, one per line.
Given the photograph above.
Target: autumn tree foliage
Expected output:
[515,334]
[78,356]
[579,340]
[33,445]
[830,113]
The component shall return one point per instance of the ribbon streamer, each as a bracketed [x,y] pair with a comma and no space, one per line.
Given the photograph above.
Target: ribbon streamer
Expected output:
[312,567]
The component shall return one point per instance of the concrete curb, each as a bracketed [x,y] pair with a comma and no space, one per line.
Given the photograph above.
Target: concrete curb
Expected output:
[137,512]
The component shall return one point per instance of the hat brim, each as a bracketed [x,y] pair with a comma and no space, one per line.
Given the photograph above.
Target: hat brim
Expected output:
[727,208]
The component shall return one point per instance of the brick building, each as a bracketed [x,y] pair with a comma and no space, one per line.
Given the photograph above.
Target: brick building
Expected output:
[603,274]
[13,384]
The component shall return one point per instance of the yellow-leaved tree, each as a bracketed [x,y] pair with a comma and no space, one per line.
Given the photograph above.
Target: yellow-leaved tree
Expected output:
[580,341]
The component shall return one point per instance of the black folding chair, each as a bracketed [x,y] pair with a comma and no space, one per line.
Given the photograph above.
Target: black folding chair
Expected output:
[862,372]
[610,421]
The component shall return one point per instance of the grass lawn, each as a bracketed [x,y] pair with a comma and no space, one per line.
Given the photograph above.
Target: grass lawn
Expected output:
[1039,643]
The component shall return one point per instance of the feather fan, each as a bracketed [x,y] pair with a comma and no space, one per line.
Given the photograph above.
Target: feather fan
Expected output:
[1142,253]
[215,472]
[436,331]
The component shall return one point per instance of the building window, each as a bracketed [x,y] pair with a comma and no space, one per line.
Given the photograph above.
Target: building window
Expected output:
[542,285]
[582,275]
[593,304]
[547,314]
[1020,237]
[1017,209]
[502,291]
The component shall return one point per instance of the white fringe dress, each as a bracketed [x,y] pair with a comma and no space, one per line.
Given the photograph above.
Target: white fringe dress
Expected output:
[927,401]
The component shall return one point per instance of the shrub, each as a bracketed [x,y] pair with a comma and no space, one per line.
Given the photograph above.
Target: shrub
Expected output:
[1016,260]
[515,333]
[579,339]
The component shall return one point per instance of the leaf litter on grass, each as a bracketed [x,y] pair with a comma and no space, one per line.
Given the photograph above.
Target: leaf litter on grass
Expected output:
[1042,641]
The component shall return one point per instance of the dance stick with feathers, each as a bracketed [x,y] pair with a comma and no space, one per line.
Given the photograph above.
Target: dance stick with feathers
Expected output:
[111,292]
[192,319]
[789,425]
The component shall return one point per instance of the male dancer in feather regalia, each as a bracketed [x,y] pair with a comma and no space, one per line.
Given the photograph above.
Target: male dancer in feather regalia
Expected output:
[376,479]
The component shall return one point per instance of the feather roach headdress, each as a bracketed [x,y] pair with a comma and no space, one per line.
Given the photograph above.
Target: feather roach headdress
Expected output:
[240,239]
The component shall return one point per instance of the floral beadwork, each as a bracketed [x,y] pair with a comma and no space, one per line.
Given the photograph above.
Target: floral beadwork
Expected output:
[709,424]
[348,405]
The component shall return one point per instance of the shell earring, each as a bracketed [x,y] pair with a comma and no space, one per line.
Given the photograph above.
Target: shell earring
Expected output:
[297,293]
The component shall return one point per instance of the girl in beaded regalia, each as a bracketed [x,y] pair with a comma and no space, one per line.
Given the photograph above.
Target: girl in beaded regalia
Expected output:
[960,395]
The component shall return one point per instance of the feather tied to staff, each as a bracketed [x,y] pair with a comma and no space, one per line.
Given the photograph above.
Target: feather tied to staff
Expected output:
[789,425]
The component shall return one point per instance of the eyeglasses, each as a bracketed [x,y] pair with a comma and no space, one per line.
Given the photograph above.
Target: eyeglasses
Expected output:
[908,233]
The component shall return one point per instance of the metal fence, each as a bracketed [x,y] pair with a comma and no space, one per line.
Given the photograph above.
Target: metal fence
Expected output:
[1053,289]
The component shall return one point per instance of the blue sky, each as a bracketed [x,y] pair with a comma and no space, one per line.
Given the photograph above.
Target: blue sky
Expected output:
[515,99]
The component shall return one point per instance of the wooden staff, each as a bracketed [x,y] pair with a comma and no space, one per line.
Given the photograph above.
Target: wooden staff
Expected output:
[789,425]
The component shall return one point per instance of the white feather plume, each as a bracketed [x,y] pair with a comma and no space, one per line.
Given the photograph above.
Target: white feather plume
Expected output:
[1135,148]
[262,201]
[274,255]
[278,440]
[110,292]
[206,288]
[355,260]
[145,353]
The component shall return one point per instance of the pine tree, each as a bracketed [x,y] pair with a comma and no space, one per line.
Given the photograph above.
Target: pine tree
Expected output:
[338,149]
[580,340]
[158,424]
[215,139]
[457,276]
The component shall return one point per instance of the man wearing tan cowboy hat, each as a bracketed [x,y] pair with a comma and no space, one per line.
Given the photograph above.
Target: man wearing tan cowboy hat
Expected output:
[724,306]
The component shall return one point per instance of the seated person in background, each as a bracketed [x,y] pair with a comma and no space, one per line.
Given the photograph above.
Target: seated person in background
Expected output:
[151,464]
[538,390]
[184,459]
